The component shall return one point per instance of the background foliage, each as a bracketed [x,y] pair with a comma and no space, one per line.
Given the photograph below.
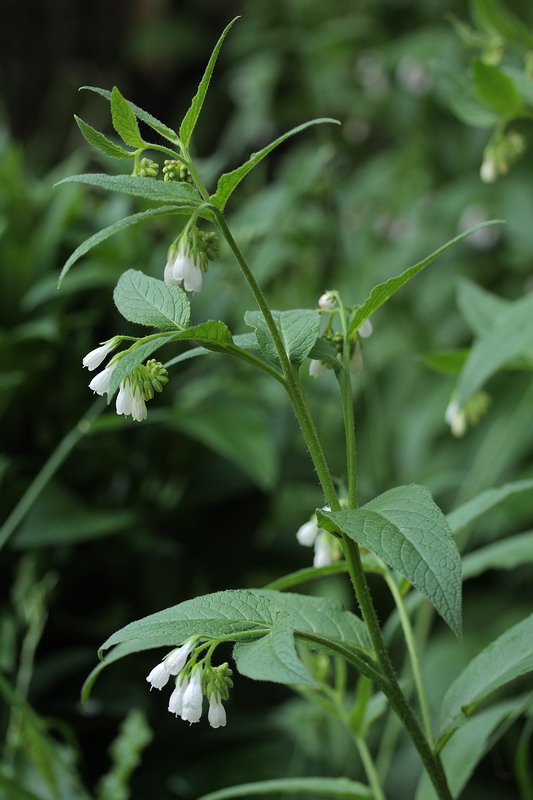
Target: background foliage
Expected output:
[139,517]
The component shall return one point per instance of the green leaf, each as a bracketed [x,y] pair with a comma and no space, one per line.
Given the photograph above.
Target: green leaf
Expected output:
[273,657]
[406,529]
[510,336]
[134,735]
[124,120]
[307,574]
[230,180]
[192,353]
[479,307]
[326,352]
[101,142]
[463,100]
[523,82]
[496,89]
[116,227]
[322,787]
[465,750]
[132,359]
[321,616]
[150,188]
[505,659]
[299,331]
[447,362]
[191,117]
[162,129]
[149,301]
[381,293]
[495,18]
[506,554]
[213,334]
[218,614]
[470,511]
[246,341]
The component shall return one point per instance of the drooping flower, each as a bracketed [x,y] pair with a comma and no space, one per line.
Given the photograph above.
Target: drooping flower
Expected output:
[159,676]
[456,418]
[356,359]
[93,359]
[175,662]
[317,368]
[488,172]
[307,533]
[100,382]
[327,300]
[217,713]
[193,699]
[184,268]
[131,402]
[175,703]
[324,550]
[366,329]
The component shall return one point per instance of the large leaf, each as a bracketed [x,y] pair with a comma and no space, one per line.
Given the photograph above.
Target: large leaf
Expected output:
[465,750]
[116,227]
[273,657]
[473,509]
[406,529]
[230,180]
[478,306]
[496,89]
[162,129]
[322,787]
[464,100]
[149,301]
[191,117]
[299,331]
[124,120]
[149,188]
[381,293]
[506,554]
[505,659]
[101,142]
[510,336]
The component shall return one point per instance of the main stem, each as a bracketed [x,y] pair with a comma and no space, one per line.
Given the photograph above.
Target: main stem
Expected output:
[351,550]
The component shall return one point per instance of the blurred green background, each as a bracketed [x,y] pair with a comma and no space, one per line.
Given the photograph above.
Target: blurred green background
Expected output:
[208,493]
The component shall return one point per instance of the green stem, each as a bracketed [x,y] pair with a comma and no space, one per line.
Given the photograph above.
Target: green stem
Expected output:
[345,381]
[413,655]
[370,768]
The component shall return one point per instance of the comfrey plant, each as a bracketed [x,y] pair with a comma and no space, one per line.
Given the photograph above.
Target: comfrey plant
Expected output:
[400,535]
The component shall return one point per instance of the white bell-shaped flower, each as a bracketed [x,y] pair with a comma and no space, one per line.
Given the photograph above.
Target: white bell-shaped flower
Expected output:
[176,660]
[192,699]
[124,402]
[366,329]
[175,703]
[138,406]
[307,533]
[324,550]
[185,268]
[327,301]
[159,676]
[93,359]
[100,382]
[217,713]
[317,368]
[455,418]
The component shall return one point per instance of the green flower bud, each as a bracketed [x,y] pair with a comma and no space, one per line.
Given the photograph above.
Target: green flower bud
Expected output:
[147,168]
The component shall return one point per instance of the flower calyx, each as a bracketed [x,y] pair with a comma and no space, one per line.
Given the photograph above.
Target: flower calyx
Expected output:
[188,259]
[147,168]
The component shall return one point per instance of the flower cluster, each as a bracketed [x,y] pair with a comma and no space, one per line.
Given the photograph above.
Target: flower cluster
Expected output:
[192,683]
[326,548]
[188,259]
[147,168]
[138,387]
[500,153]
[176,171]
[319,368]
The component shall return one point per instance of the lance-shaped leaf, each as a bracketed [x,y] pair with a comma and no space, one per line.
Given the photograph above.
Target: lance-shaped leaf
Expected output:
[381,293]
[149,188]
[101,142]
[162,129]
[124,120]
[321,787]
[496,89]
[470,511]
[506,554]
[191,117]
[407,530]
[230,180]
[116,227]
[149,301]
[299,331]
[505,659]
[478,306]
[273,657]
[510,336]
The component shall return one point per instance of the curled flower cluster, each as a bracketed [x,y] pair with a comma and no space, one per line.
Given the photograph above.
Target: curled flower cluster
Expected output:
[135,389]
[188,260]
[186,700]
[326,548]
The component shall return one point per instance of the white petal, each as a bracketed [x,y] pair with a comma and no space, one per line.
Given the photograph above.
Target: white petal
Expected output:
[317,368]
[100,382]
[217,713]
[366,329]
[356,360]
[327,301]
[158,677]
[181,266]
[168,275]
[488,172]
[93,359]
[175,703]
[307,533]
[323,551]
[176,660]
[193,280]
[124,400]
[192,699]
[138,407]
